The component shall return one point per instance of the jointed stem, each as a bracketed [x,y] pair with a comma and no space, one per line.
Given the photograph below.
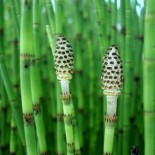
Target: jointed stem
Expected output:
[110,120]
[68,116]
[36,81]
[26,49]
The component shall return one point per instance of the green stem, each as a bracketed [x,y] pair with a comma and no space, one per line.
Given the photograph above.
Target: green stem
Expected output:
[109,19]
[76,132]
[36,81]
[121,45]
[68,116]
[110,120]
[50,38]
[4,112]
[14,15]
[26,49]
[148,78]
[13,139]
[101,21]
[113,21]
[59,8]
[128,72]
[60,123]
[50,12]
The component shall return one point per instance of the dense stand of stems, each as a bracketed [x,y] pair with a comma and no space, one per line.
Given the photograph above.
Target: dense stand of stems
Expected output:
[91,26]
[7,81]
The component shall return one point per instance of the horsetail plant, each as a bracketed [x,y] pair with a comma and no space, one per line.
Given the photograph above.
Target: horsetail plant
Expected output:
[63,58]
[112,81]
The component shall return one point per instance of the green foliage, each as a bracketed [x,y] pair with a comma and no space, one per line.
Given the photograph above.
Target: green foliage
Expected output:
[29,89]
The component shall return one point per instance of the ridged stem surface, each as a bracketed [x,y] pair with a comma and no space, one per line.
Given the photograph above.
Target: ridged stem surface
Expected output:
[148,78]
[36,81]
[26,48]
[68,116]
[113,21]
[100,11]
[60,123]
[110,120]
[51,16]
[128,72]
[121,44]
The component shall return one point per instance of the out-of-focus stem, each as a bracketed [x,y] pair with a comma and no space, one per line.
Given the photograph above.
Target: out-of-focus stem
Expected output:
[148,78]
[17,113]
[13,138]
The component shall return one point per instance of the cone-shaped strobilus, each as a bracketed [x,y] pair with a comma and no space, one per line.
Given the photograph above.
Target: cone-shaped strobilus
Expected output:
[112,81]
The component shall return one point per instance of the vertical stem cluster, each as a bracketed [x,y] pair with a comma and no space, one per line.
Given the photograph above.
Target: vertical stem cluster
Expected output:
[47,104]
[7,81]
